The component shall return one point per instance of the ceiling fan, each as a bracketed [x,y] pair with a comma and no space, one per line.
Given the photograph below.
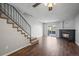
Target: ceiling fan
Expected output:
[49,5]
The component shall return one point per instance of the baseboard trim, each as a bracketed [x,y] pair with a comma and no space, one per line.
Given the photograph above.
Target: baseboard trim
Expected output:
[15,50]
[77,43]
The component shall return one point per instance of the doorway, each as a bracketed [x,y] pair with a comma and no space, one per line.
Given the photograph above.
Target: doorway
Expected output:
[51,31]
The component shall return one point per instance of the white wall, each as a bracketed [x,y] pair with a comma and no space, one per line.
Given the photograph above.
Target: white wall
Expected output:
[68,24]
[45,30]
[77,29]
[36,30]
[10,39]
[36,27]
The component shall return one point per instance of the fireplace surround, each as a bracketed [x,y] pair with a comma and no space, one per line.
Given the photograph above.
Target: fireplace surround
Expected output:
[65,35]
[68,34]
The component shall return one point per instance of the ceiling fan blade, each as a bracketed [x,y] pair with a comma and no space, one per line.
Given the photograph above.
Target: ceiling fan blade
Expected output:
[35,5]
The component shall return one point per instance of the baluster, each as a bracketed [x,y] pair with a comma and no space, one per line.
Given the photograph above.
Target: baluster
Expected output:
[0,6]
[18,19]
[21,21]
[15,16]
[9,10]
[6,8]
[12,13]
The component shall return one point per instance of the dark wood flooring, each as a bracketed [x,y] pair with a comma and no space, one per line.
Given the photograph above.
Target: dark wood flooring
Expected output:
[50,46]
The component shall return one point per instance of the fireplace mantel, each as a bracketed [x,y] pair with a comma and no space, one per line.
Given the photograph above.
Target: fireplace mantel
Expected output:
[68,34]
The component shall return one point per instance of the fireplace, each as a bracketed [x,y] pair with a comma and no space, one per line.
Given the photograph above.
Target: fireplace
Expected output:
[65,35]
[68,34]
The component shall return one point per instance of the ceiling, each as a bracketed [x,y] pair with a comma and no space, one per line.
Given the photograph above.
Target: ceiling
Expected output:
[61,11]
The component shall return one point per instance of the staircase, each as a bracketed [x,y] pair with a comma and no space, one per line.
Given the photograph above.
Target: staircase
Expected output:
[14,23]
[16,19]
[10,39]
[12,19]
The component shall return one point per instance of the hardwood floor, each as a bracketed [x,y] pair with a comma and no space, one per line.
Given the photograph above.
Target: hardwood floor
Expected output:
[50,46]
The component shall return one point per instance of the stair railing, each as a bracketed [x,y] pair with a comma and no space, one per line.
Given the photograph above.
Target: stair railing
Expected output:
[12,13]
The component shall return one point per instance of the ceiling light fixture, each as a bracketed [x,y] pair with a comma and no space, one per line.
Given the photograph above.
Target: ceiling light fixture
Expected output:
[49,5]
